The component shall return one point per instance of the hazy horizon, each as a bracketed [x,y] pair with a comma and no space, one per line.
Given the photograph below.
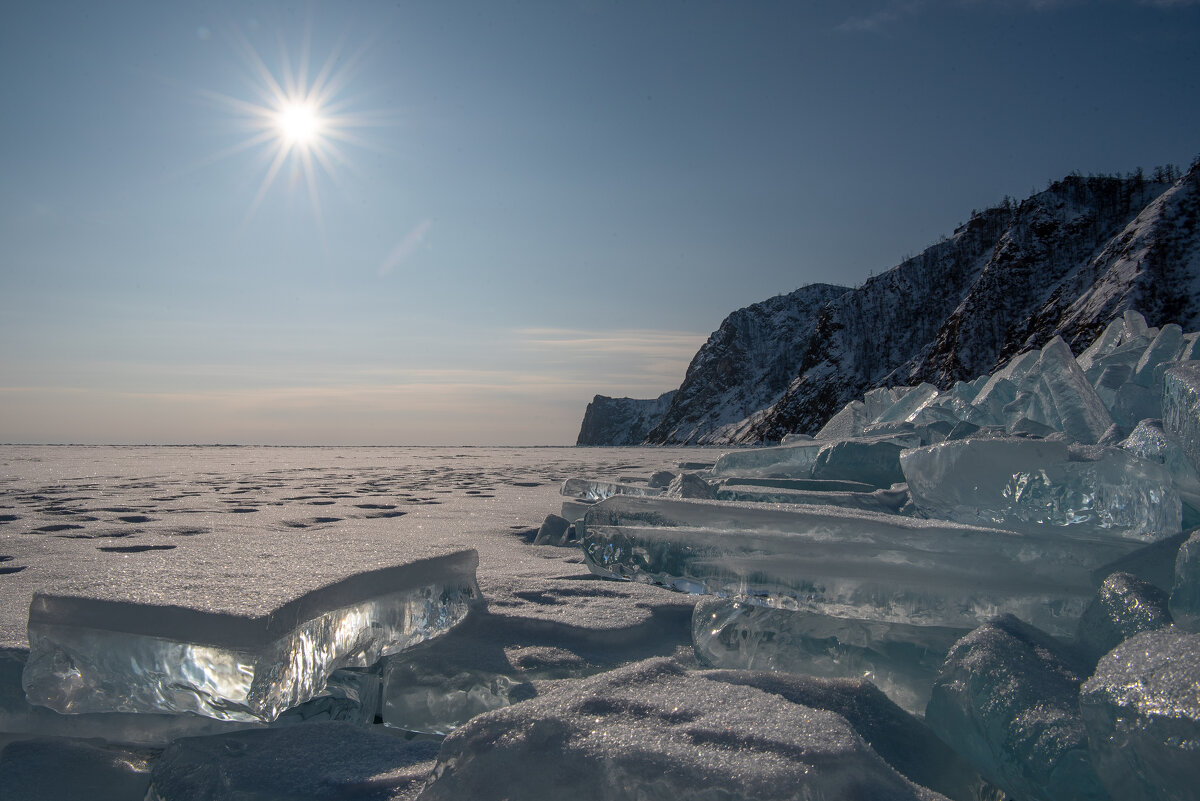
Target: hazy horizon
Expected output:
[421,223]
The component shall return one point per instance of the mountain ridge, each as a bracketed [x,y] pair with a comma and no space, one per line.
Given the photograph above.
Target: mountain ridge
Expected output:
[1062,262]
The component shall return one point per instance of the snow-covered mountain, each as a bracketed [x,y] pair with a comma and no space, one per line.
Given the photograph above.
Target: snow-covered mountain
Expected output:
[1062,262]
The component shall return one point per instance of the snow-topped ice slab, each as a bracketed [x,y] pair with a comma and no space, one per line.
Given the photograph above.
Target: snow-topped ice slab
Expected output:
[1141,708]
[849,563]
[653,731]
[92,654]
[1044,485]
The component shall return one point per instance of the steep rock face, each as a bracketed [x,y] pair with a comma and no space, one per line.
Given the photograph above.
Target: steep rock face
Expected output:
[969,303]
[746,364]
[1152,266]
[621,421]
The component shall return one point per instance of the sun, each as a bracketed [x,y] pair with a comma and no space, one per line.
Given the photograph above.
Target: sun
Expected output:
[299,123]
[301,119]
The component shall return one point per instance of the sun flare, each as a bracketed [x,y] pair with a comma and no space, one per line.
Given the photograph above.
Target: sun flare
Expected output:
[301,120]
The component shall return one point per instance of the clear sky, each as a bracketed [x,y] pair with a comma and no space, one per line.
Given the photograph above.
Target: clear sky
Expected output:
[489,211]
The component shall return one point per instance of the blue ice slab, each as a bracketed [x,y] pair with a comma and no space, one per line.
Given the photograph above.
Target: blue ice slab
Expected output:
[94,655]
[848,563]
[1044,485]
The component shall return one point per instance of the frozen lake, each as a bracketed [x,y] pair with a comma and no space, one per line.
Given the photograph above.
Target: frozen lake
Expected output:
[243,528]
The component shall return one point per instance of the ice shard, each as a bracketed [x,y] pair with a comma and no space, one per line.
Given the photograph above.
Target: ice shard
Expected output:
[1043,485]
[1056,393]
[907,408]
[1185,594]
[1181,408]
[98,655]
[899,659]
[588,490]
[1164,348]
[1135,324]
[849,422]
[1141,708]
[1127,356]
[1103,345]
[846,563]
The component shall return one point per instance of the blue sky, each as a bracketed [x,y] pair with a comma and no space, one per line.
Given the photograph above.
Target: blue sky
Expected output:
[512,206]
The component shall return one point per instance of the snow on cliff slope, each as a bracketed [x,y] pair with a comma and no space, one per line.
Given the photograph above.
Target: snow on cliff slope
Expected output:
[746,364]
[1062,262]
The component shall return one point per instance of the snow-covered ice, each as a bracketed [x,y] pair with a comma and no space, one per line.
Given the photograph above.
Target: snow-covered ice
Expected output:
[1124,606]
[1142,712]
[654,730]
[1007,699]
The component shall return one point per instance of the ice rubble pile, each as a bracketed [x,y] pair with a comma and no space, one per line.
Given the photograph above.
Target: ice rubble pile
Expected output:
[1003,557]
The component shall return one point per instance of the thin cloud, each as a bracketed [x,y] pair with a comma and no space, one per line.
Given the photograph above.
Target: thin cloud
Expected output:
[628,361]
[889,14]
[632,341]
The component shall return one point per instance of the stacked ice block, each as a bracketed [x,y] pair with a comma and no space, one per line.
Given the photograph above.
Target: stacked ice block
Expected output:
[1040,509]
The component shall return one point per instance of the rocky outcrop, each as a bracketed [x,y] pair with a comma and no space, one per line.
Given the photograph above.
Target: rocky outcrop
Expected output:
[621,421]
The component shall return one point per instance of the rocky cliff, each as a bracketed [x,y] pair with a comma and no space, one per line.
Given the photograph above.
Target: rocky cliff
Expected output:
[621,421]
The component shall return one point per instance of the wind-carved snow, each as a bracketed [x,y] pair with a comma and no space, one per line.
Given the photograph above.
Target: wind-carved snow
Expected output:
[89,655]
